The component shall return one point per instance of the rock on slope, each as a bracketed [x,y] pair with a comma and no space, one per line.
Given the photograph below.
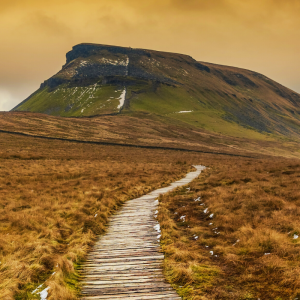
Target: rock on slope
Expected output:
[101,79]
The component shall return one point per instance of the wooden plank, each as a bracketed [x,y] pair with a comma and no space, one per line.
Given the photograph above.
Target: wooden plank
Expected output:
[127,289]
[140,265]
[125,276]
[124,290]
[127,282]
[133,272]
[122,265]
[141,296]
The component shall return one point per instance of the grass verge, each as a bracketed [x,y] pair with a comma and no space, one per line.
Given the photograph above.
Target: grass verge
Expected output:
[235,233]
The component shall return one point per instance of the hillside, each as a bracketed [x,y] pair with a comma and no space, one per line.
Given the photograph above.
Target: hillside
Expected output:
[101,80]
[143,130]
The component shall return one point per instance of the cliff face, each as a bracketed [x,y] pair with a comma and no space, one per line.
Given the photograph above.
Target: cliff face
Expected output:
[91,62]
[101,79]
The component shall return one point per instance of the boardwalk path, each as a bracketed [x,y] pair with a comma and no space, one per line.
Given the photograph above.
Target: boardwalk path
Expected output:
[126,263]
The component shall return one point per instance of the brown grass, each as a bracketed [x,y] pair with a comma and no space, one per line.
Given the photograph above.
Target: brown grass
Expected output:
[55,199]
[256,207]
[143,129]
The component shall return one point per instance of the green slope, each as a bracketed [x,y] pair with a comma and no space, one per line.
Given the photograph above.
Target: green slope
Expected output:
[75,101]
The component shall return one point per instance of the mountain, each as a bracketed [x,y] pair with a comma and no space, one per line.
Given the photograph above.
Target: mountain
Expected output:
[103,80]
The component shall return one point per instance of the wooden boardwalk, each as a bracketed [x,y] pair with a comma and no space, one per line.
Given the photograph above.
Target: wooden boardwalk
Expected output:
[126,263]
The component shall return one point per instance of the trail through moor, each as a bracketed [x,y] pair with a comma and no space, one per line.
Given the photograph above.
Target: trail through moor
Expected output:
[126,262]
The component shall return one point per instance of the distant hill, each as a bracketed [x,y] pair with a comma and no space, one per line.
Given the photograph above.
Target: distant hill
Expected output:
[102,80]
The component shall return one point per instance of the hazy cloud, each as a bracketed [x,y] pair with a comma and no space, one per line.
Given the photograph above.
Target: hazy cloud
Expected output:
[7,102]
[49,25]
[200,4]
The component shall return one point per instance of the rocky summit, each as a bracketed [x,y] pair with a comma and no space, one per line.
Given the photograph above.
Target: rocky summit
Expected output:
[101,80]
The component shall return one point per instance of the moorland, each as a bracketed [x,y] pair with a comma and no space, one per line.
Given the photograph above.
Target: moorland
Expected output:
[57,196]
[55,200]
[116,123]
[235,233]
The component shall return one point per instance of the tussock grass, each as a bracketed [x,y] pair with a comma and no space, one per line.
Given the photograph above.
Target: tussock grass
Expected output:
[253,235]
[56,198]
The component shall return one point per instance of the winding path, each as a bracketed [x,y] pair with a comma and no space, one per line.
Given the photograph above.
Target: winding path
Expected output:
[126,263]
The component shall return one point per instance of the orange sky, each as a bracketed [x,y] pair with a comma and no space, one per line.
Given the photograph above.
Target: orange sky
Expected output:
[261,35]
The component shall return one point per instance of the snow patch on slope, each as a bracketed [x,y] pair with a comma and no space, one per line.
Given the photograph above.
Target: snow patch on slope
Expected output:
[122,99]
[44,293]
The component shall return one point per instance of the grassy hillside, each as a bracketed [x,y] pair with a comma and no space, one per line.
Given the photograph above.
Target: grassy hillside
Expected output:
[179,104]
[75,101]
[232,101]
[145,129]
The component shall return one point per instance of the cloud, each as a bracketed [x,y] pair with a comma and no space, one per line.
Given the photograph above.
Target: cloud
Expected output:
[7,102]
[48,24]
[200,5]
[11,94]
